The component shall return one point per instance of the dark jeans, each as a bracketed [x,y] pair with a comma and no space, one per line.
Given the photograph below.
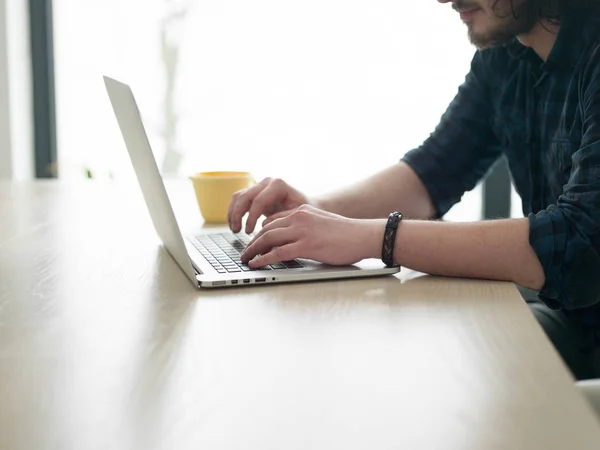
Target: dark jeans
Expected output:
[574,342]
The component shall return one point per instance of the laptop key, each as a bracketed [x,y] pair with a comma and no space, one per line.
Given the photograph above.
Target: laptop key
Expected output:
[278,266]
[292,264]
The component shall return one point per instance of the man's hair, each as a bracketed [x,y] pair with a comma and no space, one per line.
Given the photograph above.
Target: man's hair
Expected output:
[552,10]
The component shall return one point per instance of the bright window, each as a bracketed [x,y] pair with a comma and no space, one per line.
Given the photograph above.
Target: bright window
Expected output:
[319,92]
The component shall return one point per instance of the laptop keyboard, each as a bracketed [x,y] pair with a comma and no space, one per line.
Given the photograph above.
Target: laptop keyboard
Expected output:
[223,251]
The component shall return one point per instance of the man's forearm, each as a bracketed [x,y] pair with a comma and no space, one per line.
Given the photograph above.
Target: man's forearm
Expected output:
[497,250]
[395,188]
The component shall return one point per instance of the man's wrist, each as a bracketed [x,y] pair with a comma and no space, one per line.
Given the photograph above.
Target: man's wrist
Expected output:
[320,203]
[372,238]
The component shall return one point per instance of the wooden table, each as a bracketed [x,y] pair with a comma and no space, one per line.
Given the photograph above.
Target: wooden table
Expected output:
[105,344]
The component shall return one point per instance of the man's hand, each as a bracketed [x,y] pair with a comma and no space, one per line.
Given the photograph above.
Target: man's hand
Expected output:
[308,232]
[268,197]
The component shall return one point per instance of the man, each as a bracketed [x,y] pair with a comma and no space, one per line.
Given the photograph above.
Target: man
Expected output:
[532,94]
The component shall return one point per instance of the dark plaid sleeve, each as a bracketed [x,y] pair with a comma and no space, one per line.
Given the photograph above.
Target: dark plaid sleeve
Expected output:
[463,146]
[566,236]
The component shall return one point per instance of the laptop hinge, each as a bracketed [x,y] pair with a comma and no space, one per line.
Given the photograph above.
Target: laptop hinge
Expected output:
[196,268]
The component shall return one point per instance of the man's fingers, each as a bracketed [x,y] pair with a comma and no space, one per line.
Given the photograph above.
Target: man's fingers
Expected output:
[241,204]
[232,203]
[276,255]
[276,216]
[284,222]
[266,242]
[240,208]
[263,202]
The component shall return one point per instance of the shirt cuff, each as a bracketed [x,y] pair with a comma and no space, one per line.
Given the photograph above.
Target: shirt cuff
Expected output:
[570,261]
[421,163]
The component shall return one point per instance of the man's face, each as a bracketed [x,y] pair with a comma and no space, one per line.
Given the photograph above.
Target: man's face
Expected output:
[495,22]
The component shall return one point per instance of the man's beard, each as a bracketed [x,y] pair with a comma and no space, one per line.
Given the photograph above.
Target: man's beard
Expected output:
[511,21]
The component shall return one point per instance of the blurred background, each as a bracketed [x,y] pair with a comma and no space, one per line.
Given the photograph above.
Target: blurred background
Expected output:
[320,93]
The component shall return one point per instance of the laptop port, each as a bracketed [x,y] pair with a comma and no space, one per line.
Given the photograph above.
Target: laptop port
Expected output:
[246,281]
[234,281]
[219,283]
[260,280]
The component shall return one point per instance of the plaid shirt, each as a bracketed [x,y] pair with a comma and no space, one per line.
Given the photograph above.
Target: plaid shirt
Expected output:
[545,118]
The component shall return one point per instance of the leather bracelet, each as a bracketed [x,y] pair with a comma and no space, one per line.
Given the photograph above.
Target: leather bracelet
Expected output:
[389,238]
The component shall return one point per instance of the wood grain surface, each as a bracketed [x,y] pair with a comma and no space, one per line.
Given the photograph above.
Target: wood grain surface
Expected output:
[105,344]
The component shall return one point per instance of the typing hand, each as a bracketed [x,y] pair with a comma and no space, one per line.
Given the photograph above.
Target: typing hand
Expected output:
[268,197]
[308,232]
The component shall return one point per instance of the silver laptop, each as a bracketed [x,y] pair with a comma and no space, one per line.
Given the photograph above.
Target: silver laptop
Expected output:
[210,258]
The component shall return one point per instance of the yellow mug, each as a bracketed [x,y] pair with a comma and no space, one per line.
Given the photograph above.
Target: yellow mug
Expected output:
[214,191]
